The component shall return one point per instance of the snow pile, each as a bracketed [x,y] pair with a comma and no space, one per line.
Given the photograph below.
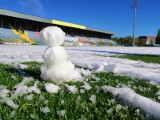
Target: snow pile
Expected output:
[51,88]
[30,97]
[71,88]
[33,89]
[56,68]
[10,103]
[61,113]
[3,93]
[86,86]
[130,97]
[93,99]
[45,109]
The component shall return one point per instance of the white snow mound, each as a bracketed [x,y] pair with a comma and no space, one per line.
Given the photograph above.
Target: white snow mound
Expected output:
[130,97]
[51,88]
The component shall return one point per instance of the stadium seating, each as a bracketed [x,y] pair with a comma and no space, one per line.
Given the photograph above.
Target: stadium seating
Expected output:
[13,35]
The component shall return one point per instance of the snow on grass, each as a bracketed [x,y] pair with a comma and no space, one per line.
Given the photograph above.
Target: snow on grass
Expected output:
[93,98]
[45,109]
[86,86]
[86,57]
[29,97]
[61,113]
[51,88]
[3,93]
[128,96]
[10,103]
[71,88]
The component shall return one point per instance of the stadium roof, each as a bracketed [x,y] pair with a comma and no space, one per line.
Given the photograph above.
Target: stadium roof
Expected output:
[50,21]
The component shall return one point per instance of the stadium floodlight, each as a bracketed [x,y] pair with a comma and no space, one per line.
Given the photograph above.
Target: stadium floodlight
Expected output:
[135,4]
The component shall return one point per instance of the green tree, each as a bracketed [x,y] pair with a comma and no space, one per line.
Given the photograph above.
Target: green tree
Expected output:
[141,42]
[158,37]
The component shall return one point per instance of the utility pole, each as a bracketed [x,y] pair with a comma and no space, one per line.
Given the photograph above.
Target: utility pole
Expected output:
[135,4]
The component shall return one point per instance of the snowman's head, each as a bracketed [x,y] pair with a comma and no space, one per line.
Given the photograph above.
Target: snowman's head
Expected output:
[52,36]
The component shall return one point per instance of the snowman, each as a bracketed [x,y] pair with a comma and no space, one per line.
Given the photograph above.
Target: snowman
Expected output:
[56,67]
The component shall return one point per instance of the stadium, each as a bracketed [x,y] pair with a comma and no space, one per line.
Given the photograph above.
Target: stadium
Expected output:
[91,82]
[19,28]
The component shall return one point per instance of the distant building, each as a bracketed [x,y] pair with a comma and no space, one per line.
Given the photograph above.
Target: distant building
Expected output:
[148,40]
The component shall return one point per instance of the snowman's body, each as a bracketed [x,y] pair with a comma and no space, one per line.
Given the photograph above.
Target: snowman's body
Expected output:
[56,67]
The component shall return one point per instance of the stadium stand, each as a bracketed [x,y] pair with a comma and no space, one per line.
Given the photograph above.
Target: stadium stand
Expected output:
[19,28]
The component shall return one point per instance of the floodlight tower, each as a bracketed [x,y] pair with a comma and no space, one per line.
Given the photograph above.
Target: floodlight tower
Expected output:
[135,4]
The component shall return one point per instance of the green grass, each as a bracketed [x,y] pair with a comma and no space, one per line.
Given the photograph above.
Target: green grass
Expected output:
[144,58]
[76,105]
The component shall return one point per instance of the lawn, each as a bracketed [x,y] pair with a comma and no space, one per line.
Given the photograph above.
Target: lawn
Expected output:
[144,58]
[84,104]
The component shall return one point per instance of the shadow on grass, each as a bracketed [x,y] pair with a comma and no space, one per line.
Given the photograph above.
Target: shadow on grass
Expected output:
[34,74]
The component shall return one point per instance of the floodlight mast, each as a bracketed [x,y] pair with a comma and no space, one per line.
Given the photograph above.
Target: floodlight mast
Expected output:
[135,4]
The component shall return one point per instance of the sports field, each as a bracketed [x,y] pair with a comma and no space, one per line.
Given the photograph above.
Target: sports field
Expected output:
[117,83]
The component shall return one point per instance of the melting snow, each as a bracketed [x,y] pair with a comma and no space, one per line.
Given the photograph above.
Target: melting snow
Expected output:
[128,96]
[72,89]
[93,58]
[45,109]
[10,103]
[93,99]
[61,113]
[51,88]
[86,86]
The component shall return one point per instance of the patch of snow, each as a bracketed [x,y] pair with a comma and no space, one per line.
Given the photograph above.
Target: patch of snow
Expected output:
[13,77]
[21,90]
[130,97]
[82,91]
[86,86]
[2,87]
[71,88]
[10,103]
[61,113]
[20,66]
[94,58]
[24,81]
[158,93]
[3,93]
[29,97]
[46,102]
[13,113]
[33,89]
[45,109]
[93,99]
[51,88]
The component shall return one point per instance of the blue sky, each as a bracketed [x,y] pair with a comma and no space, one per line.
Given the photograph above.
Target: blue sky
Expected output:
[110,15]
